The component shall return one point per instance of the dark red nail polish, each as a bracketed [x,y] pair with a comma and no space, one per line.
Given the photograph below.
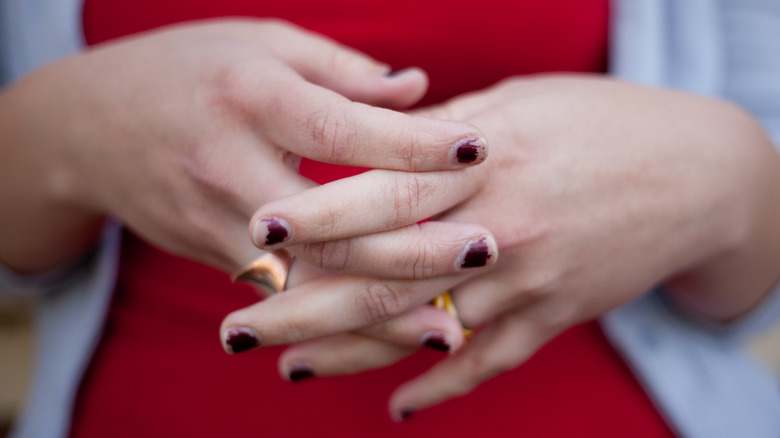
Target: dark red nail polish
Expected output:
[467,153]
[436,341]
[469,150]
[277,232]
[241,339]
[300,372]
[407,413]
[477,254]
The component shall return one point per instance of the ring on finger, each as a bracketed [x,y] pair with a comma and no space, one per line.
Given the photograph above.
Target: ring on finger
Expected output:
[269,271]
[445,302]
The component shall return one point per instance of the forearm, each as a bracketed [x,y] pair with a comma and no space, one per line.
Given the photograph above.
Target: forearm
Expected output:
[41,226]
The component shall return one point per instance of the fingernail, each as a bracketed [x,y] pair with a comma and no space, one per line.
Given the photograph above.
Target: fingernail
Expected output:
[392,74]
[436,340]
[270,231]
[471,150]
[300,372]
[407,413]
[238,340]
[477,253]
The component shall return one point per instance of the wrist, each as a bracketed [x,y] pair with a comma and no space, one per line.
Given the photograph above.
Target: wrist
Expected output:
[43,225]
[731,282]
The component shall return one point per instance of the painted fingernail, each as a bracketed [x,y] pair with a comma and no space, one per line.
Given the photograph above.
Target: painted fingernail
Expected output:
[436,340]
[478,253]
[389,73]
[384,69]
[270,231]
[407,413]
[471,150]
[300,372]
[393,74]
[238,340]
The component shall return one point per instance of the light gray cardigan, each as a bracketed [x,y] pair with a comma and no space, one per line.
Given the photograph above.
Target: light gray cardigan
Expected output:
[697,374]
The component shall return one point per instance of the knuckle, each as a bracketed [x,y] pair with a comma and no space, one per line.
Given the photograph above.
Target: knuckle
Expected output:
[294,330]
[379,301]
[342,60]
[237,91]
[207,177]
[326,227]
[332,134]
[526,232]
[406,194]
[424,264]
[330,256]
[234,88]
[211,246]
[212,199]
[416,155]
[540,283]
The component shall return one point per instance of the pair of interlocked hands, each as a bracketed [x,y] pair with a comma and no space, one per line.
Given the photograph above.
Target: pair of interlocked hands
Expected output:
[552,198]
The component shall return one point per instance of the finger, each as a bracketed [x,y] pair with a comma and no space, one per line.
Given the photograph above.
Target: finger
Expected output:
[319,124]
[376,346]
[502,346]
[218,219]
[424,326]
[363,204]
[469,105]
[344,70]
[338,355]
[460,108]
[430,249]
[484,297]
[301,271]
[324,307]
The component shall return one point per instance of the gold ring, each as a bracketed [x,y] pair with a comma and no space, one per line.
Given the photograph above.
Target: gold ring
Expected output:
[269,271]
[444,301]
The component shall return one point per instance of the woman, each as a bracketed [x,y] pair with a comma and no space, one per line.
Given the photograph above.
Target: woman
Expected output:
[563,290]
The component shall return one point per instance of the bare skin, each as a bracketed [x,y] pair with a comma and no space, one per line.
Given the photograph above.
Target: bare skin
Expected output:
[182,133]
[596,191]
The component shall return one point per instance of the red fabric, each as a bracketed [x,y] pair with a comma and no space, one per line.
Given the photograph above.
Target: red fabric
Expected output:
[160,370]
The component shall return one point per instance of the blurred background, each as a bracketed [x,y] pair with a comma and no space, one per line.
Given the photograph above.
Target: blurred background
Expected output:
[16,358]
[17,353]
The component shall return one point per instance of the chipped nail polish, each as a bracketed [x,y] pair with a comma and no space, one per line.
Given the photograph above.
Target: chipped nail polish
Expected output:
[437,341]
[476,254]
[385,70]
[407,413]
[393,74]
[271,231]
[470,151]
[300,372]
[238,340]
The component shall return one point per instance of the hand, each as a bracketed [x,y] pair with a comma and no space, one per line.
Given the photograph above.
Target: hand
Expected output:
[183,132]
[595,192]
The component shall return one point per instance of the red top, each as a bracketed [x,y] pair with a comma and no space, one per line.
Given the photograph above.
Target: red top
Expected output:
[160,369]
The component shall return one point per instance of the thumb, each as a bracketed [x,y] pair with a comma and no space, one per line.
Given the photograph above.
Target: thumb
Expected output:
[341,69]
